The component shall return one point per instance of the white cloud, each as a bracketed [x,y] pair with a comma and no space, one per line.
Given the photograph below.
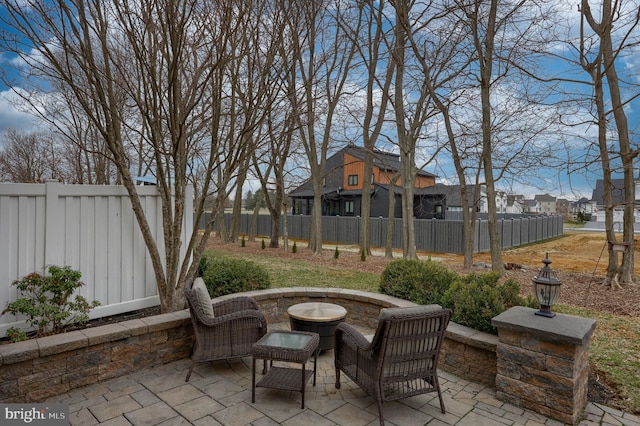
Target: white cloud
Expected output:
[15,117]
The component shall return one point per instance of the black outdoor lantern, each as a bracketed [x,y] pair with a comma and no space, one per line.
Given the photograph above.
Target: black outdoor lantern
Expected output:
[546,287]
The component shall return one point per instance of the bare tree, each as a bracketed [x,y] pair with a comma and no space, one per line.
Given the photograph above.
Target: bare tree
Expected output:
[603,66]
[413,108]
[165,61]
[323,56]
[373,49]
[29,157]
[511,121]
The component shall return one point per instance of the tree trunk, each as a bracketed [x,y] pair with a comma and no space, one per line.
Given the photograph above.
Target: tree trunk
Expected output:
[625,273]
[486,74]
[391,220]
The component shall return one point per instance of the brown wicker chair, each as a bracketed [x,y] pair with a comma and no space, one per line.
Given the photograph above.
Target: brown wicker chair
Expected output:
[236,325]
[402,358]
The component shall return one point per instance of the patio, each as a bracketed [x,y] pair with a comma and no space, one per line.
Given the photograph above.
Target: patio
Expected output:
[219,393]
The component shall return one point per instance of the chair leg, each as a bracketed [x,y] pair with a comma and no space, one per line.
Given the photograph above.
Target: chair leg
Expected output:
[337,378]
[380,413]
[437,385]
[193,363]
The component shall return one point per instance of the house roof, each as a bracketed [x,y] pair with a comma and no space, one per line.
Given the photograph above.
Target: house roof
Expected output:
[617,192]
[450,193]
[546,198]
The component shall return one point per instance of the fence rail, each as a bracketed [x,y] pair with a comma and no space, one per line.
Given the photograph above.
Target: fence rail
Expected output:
[431,235]
[90,228]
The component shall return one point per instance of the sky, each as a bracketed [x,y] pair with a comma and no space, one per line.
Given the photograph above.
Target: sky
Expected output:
[571,186]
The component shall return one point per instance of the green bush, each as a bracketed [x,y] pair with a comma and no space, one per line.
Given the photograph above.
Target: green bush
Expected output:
[47,302]
[476,298]
[422,282]
[294,249]
[227,276]
[203,265]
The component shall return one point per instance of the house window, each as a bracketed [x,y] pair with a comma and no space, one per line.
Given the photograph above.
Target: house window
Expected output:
[348,208]
[353,180]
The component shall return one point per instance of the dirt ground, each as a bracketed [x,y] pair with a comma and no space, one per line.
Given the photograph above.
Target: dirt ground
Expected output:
[579,259]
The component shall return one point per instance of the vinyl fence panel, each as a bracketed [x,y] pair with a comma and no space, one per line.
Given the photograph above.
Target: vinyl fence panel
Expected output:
[90,228]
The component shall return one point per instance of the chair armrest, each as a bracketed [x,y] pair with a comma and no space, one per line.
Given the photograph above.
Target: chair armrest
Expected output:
[239,303]
[350,336]
[235,317]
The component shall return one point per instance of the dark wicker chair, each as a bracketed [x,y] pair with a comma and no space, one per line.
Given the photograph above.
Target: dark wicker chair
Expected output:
[402,358]
[236,326]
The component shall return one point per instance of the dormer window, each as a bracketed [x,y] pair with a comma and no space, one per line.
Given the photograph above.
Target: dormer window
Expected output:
[352,180]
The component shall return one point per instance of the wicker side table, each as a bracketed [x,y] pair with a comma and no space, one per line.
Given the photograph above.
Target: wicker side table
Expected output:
[287,346]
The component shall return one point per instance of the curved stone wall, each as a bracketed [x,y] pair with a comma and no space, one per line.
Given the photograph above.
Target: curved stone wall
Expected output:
[34,370]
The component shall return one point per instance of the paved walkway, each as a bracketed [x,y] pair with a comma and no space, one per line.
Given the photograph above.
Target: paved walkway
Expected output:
[219,393]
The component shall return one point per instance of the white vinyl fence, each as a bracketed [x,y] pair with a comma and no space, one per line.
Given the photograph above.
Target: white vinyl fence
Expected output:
[90,228]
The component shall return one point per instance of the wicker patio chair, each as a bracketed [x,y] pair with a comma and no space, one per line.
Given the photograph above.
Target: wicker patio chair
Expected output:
[402,358]
[222,330]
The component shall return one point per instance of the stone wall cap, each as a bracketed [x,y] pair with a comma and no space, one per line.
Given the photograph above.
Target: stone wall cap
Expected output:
[562,328]
[13,353]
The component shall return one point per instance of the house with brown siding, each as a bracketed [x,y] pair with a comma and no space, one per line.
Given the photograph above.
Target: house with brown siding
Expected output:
[344,183]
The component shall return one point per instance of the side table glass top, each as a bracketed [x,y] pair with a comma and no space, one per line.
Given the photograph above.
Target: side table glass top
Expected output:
[285,340]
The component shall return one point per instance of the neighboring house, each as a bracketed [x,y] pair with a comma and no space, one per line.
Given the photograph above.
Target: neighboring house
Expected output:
[449,197]
[501,202]
[617,193]
[563,206]
[547,203]
[515,204]
[344,184]
[584,206]
[531,207]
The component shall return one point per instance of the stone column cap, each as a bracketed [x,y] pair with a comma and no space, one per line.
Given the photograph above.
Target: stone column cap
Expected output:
[561,328]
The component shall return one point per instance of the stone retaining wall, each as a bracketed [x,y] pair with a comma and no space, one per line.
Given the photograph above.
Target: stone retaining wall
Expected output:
[34,370]
[37,369]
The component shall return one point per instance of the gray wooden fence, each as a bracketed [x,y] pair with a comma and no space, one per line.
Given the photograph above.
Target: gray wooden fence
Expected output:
[431,235]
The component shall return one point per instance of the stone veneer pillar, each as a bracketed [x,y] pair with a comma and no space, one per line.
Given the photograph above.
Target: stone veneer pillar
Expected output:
[543,363]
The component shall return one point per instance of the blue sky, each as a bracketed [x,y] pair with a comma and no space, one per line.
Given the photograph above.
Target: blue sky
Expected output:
[561,184]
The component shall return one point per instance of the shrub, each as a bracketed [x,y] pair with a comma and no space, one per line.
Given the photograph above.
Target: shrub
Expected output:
[203,265]
[264,245]
[46,301]
[476,298]
[294,249]
[16,335]
[227,276]
[243,242]
[336,253]
[422,282]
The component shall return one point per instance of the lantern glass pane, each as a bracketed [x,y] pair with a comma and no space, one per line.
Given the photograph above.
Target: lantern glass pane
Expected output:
[546,294]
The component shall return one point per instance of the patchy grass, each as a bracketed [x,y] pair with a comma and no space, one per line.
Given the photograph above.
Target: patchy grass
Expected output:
[615,352]
[300,273]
